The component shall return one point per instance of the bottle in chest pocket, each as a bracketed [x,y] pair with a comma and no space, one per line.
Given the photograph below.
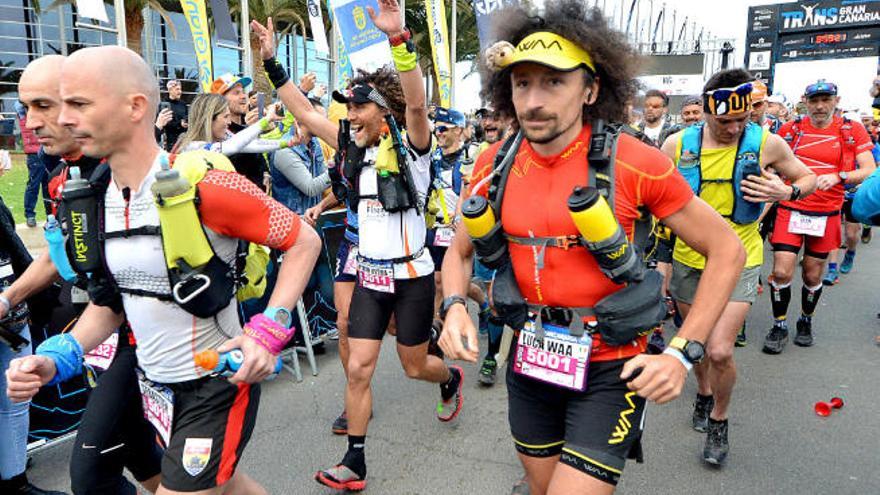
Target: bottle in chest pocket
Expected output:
[81,203]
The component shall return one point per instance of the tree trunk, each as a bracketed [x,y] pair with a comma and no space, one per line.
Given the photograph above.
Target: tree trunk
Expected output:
[261,82]
[134,28]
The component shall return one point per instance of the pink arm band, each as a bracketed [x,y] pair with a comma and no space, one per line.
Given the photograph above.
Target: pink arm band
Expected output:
[268,333]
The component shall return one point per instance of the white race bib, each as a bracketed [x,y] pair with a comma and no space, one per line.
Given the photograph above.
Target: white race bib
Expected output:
[158,403]
[560,359]
[443,236]
[351,263]
[376,275]
[102,356]
[807,224]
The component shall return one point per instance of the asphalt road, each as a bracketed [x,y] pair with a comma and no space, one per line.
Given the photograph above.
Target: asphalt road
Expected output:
[778,445]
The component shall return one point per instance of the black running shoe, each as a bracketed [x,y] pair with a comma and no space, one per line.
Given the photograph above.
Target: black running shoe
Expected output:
[804,336]
[702,407]
[775,340]
[741,337]
[717,446]
[866,235]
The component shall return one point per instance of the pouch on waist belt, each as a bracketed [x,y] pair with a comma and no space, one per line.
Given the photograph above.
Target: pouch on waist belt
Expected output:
[632,311]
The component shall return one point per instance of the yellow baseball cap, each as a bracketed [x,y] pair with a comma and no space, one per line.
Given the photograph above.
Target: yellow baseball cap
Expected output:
[551,50]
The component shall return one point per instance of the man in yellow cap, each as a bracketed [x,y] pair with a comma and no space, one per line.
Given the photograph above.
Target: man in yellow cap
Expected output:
[578,379]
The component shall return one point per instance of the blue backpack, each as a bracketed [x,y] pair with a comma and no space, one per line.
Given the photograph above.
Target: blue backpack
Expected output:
[748,162]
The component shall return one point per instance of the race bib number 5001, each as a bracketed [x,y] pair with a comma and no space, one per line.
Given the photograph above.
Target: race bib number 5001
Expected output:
[559,359]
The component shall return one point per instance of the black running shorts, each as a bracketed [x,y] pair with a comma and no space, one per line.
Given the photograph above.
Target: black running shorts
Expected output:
[593,431]
[213,421]
[412,305]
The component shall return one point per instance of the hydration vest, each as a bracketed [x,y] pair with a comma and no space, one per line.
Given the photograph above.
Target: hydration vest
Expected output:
[747,162]
[601,157]
[395,190]
[201,288]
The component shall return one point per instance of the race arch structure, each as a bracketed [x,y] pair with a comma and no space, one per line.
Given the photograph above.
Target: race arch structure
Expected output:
[788,46]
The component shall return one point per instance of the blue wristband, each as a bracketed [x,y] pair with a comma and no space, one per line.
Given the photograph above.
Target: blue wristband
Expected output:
[67,354]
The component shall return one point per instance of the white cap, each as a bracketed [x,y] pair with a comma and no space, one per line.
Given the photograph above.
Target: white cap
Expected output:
[778,98]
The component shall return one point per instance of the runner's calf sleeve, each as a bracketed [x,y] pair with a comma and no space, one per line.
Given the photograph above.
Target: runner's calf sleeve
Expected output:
[810,299]
[780,297]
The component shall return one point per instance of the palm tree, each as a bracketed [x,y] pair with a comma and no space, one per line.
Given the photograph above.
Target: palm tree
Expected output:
[285,15]
[134,18]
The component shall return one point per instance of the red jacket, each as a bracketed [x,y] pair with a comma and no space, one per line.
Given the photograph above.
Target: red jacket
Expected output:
[28,139]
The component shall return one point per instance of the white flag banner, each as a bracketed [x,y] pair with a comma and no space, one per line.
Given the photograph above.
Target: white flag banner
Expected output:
[93,9]
[316,22]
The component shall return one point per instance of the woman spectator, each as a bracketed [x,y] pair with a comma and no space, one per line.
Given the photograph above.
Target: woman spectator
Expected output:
[299,175]
[209,119]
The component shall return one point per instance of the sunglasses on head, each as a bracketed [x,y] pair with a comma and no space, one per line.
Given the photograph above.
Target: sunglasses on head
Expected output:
[724,93]
[821,87]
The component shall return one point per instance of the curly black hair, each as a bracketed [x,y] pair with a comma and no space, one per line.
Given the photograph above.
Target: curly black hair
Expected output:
[617,62]
[387,82]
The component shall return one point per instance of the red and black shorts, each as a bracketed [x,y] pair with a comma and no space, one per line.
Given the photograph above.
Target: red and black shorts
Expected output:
[814,246]
[593,431]
[213,422]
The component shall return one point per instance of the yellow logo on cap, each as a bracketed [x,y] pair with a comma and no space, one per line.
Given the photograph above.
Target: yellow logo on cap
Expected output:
[552,50]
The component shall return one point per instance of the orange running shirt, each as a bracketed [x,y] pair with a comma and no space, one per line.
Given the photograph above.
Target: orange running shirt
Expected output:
[535,204]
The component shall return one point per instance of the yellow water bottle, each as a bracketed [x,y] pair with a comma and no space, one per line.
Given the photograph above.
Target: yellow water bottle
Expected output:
[606,240]
[485,231]
[175,199]
[591,214]
[477,216]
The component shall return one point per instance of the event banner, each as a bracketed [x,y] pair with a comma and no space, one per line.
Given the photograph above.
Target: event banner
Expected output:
[828,14]
[194,11]
[483,10]
[343,64]
[223,23]
[367,47]
[849,43]
[437,28]
[761,42]
[316,23]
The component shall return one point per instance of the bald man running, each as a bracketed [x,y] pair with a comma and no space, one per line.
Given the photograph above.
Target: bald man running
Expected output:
[109,99]
[113,433]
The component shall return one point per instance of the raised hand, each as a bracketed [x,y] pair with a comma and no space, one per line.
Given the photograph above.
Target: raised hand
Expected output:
[388,20]
[266,34]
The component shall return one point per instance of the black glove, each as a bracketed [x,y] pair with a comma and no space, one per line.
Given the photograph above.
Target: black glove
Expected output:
[508,299]
[103,293]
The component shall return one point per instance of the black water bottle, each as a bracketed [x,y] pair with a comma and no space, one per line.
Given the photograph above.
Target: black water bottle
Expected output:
[83,228]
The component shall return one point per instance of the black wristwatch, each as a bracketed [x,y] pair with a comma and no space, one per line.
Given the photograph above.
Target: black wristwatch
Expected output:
[448,302]
[795,192]
[692,350]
